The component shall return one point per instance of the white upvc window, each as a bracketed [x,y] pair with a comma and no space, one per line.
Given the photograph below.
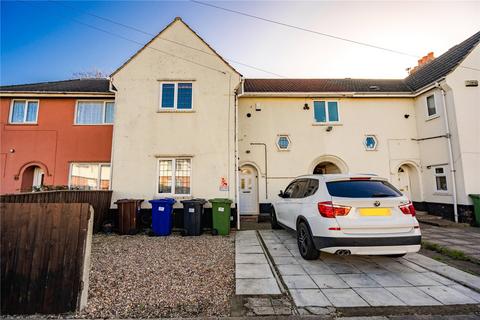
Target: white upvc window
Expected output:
[440,180]
[431,106]
[94,112]
[89,176]
[176,96]
[326,112]
[174,176]
[24,112]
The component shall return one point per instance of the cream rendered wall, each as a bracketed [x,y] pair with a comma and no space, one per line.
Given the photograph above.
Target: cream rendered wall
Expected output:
[466,103]
[383,117]
[142,134]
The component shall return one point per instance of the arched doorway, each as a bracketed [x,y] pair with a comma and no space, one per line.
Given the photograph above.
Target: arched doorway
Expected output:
[32,177]
[248,190]
[326,168]
[408,181]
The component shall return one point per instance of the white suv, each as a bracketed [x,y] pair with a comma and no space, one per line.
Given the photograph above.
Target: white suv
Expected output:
[347,214]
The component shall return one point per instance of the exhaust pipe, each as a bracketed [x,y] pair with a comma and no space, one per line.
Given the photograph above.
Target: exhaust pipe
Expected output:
[342,252]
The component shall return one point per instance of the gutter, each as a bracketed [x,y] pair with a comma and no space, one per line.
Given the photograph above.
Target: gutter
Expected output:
[450,151]
[55,94]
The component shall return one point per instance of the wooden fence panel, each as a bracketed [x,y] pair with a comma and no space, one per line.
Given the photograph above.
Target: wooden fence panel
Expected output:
[100,200]
[42,256]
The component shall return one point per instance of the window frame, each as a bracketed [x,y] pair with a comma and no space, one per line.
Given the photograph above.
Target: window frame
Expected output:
[327,114]
[99,177]
[174,170]
[365,142]
[277,142]
[175,96]
[24,121]
[435,115]
[104,108]
[436,175]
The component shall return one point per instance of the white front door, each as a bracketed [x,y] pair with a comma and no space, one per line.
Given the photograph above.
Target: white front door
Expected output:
[404,182]
[248,190]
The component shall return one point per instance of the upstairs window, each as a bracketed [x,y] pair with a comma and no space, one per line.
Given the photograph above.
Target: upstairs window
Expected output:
[94,112]
[24,111]
[176,96]
[325,111]
[431,108]
[441,180]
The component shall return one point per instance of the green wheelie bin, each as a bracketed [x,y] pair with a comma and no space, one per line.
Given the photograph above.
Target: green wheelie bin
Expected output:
[476,207]
[220,216]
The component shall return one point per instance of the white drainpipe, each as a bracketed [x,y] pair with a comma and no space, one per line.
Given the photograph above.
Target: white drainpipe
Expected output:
[237,173]
[450,153]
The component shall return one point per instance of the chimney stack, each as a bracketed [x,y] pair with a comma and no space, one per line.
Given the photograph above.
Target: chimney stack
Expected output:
[424,60]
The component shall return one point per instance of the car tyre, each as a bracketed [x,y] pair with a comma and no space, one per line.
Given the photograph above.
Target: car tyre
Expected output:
[273,220]
[305,243]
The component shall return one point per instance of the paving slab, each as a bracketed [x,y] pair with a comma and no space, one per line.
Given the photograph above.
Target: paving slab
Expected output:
[249,249]
[291,270]
[256,286]
[359,280]
[447,295]
[379,297]
[250,258]
[344,298]
[285,260]
[253,271]
[466,291]
[299,282]
[418,279]
[309,297]
[329,281]
[413,296]
[389,280]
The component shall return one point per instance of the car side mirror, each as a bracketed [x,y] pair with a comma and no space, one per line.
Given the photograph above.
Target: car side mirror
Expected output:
[281,194]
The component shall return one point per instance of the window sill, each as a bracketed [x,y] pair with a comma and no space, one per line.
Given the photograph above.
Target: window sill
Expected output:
[176,111]
[92,124]
[327,124]
[432,117]
[23,124]
[439,193]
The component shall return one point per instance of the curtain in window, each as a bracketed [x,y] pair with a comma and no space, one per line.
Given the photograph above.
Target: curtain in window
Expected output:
[165,176]
[18,111]
[184,99]
[90,112]
[168,93]
[332,111]
[84,176]
[319,111]
[104,177]
[182,176]
[109,108]
[32,111]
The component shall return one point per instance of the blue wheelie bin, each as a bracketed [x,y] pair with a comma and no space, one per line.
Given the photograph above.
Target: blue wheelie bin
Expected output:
[162,216]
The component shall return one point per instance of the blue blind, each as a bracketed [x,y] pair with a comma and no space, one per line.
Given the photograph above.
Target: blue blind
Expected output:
[168,92]
[319,111]
[18,111]
[332,111]
[32,111]
[184,99]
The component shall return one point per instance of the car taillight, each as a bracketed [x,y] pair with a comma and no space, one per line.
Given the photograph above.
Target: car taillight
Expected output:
[408,209]
[329,210]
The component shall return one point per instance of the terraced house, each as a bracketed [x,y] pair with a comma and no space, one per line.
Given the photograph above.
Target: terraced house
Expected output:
[187,124]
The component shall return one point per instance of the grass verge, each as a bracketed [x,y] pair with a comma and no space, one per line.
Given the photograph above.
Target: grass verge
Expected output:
[451,253]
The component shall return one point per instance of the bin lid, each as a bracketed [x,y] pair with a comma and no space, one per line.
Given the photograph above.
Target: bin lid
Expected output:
[474,196]
[128,200]
[193,201]
[221,200]
[163,200]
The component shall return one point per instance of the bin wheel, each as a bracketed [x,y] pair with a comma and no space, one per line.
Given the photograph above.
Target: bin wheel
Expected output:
[214,232]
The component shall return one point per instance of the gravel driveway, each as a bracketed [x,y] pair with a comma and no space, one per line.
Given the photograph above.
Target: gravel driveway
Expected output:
[148,277]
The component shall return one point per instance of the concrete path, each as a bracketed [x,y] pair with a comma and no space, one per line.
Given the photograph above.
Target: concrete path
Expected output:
[466,240]
[357,281]
[253,274]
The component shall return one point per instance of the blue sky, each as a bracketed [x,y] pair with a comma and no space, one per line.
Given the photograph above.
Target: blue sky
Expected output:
[40,41]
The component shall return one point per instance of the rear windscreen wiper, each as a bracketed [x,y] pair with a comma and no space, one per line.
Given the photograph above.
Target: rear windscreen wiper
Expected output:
[381,195]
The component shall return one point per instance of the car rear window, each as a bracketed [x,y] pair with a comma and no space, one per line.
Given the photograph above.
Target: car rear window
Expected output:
[362,189]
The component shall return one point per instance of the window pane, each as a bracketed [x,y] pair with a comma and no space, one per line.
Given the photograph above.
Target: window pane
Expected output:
[441,183]
[165,176]
[182,176]
[90,112]
[32,111]
[18,111]
[168,92]
[431,106]
[438,170]
[283,142]
[109,112]
[362,189]
[105,177]
[84,176]
[184,99]
[319,111]
[332,111]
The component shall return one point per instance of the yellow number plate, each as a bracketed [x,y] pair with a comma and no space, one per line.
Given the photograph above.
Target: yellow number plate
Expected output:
[375,212]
